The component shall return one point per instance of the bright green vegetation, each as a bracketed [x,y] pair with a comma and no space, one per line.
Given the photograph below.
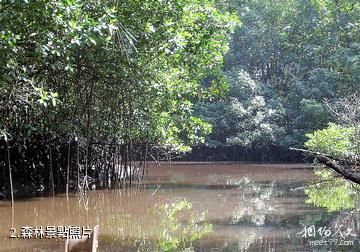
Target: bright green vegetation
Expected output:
[86,82]
[335,140]
[340,143]
[133,70]
[331,193]
[110,70]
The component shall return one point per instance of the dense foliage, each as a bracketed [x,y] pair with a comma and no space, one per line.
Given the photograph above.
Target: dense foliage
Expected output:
[110,70]
[82,82]
[139,72]
[285,59]
[336,141]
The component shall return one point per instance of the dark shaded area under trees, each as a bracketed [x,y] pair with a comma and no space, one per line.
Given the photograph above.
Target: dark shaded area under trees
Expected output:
[271,154]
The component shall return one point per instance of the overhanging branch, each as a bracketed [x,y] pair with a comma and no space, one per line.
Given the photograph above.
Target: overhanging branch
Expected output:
[342,167]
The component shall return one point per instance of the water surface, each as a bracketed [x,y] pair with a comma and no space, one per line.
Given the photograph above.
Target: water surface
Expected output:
[251,208]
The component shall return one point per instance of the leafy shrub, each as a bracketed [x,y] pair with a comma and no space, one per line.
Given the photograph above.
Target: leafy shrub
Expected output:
[335,140]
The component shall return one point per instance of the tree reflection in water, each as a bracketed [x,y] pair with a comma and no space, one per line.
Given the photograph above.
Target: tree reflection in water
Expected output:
[257,203]
[176,226]
[337,196]
[176,235]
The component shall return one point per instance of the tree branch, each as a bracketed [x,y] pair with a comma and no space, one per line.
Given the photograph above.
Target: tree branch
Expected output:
[346,171]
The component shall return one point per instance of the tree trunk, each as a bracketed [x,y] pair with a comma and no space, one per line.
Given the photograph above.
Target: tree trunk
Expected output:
[51,172]
[10,175]
[68,169]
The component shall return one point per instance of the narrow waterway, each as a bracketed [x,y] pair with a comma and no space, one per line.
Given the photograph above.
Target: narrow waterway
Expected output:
[248,207]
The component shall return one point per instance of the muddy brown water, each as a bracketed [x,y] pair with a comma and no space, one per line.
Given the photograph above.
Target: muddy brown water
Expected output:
[251,207]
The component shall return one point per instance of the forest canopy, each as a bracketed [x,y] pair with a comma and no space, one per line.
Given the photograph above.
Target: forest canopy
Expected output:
[153,71]
[285,60]
[246,75]
[110,70]
[89,87]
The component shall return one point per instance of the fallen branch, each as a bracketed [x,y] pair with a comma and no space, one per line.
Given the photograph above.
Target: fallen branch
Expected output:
[346,171]
[310,152]
[350,161]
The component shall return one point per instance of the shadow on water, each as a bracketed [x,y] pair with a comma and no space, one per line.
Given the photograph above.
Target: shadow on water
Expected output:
[248,207]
